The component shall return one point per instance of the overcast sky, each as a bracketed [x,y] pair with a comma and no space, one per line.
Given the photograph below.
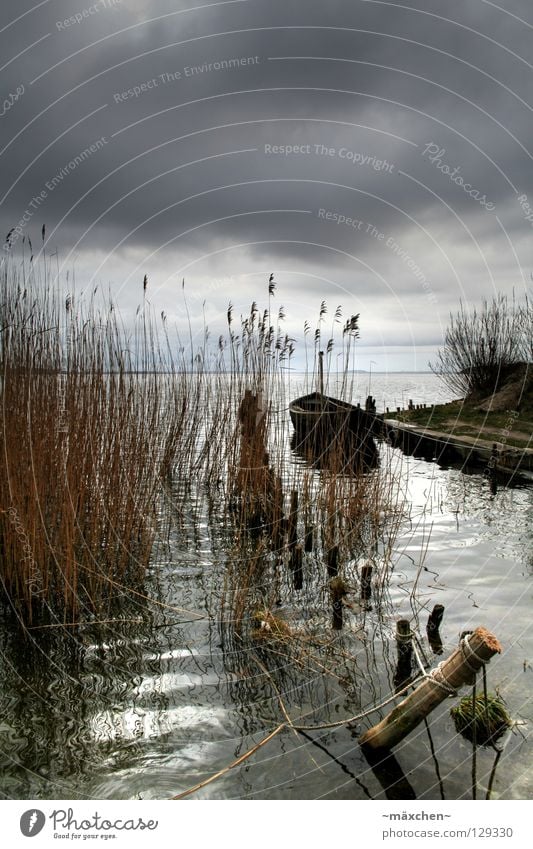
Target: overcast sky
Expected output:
[377,155]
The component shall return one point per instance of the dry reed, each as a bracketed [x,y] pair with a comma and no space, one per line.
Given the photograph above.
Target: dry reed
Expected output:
[96,420]
[84,443]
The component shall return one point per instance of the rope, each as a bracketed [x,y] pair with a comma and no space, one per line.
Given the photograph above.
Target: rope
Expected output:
[294,727]
[441,681]
[404,638]
[419,661]
[422,652]
[436,675]
[465,643]
[359,716]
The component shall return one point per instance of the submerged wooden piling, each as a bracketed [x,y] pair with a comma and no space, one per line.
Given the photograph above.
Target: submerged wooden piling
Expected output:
[332,561]
[277,514]
[338,591]
[404,644]
[297,567]
[404,641]
[404,638]
[435,618]
[366,582]
[459,669]
[255,480]
[292,524]
[432,628]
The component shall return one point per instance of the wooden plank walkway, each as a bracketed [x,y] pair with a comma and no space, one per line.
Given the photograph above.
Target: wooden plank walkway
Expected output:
[449,448]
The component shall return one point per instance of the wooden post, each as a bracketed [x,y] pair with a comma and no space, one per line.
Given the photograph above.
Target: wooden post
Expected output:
[332,561]
[277,514]
[292,529]
[432,628]
[435,618]
[254,480]
[404,644]
[404,639]
[459,669]
[297,567]
[338,591]
[366,583]
[308,538]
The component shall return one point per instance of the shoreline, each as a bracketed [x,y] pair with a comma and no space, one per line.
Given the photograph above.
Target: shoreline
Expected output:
[455,432]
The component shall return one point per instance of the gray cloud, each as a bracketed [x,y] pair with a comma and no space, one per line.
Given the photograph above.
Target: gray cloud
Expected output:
[226,141]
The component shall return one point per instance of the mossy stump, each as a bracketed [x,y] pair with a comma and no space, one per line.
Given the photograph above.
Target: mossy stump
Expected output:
[489,719]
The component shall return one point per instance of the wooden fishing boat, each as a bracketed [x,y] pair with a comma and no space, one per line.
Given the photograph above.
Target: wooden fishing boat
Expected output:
[328,428]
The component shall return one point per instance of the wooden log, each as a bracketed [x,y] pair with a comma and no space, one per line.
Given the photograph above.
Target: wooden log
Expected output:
[459,669]
[435,642]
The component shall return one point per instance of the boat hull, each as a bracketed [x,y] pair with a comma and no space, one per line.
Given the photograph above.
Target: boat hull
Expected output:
[333,432]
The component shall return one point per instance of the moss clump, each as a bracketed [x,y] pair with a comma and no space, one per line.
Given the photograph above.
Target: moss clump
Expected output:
[489,718]
[338,588]
[269,627]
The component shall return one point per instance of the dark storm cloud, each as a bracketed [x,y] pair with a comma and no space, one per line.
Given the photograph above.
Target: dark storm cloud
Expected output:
[378,153]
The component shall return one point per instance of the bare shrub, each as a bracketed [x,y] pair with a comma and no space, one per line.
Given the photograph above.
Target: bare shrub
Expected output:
[483,347]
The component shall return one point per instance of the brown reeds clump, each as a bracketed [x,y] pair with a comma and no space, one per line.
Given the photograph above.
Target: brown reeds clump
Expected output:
[96,420]
[84,442]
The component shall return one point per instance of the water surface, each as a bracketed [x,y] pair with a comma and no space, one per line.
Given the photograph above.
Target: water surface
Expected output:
[147,707]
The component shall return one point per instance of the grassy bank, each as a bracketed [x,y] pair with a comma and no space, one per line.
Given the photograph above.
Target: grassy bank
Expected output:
[463,418]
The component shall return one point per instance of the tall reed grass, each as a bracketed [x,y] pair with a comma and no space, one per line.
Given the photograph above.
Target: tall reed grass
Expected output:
[84,442]
[97,418]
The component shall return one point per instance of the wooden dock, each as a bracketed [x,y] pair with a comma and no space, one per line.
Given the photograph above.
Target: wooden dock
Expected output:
[449,449]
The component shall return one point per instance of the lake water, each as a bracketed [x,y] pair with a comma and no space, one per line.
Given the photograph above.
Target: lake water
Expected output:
[147,707]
